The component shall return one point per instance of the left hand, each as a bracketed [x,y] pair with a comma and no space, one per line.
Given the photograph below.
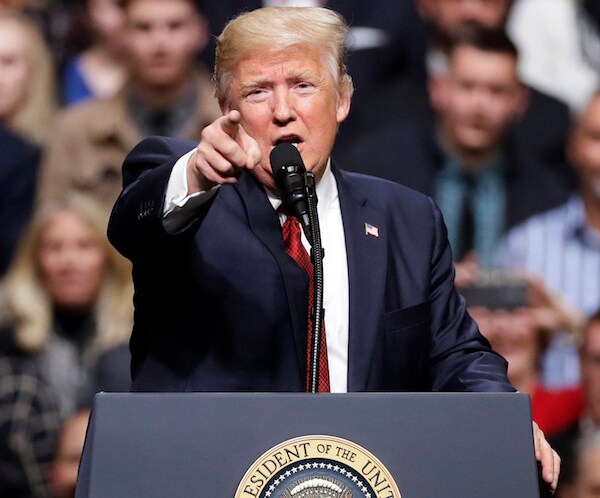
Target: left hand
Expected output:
[547,457]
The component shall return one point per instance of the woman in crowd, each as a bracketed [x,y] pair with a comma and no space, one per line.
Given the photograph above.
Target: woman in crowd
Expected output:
[99,70]
[68,297]
[27,79]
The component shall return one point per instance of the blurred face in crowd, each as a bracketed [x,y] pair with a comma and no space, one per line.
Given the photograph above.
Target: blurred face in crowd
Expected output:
[587,483]
[11,5]
[72,259]
[107,20]
[513,335]
[590,369]
[478,99]
[584,149]
[14,68]
[449,15]
[163,38]
[289,96]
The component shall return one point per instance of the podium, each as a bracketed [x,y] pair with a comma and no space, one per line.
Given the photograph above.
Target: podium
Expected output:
[224,445]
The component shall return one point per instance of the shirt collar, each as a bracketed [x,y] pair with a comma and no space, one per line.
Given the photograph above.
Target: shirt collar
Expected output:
[576,224]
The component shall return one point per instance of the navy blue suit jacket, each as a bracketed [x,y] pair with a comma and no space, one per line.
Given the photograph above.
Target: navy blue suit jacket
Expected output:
[222,307]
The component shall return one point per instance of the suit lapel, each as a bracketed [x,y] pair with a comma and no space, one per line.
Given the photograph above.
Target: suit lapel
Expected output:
[264,223]
[367,263]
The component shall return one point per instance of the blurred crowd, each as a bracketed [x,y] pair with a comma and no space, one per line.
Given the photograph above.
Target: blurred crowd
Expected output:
[491,107]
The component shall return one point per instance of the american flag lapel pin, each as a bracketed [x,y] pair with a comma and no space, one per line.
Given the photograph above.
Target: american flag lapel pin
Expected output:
[371,230]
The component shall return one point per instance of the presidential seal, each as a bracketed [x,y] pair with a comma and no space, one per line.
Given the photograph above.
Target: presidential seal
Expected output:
[317,467]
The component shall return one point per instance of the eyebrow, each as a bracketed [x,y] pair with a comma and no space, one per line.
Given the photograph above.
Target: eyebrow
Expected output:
[295,75]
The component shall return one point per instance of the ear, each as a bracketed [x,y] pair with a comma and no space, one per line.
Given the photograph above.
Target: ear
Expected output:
[571,147]
[225,106]
[522,100]
[343,102]
[438,92]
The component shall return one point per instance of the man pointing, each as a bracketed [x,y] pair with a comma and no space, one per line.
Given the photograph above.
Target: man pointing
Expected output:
[222,306]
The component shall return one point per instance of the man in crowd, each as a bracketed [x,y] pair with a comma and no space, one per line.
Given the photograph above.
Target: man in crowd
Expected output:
[541,128]
[562,246]
[167,94]
[589,423]
[587,471]
[221,303]
[468,160]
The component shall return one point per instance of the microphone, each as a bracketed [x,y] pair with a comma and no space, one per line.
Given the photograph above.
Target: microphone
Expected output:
[289,173]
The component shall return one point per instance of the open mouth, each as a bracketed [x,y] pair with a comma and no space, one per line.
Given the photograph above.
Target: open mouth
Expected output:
[290,139]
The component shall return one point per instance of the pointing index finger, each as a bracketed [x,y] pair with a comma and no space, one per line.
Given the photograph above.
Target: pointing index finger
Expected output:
[230,123]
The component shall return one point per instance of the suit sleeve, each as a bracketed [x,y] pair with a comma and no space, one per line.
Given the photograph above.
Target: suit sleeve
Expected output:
[461,358]
[135,224]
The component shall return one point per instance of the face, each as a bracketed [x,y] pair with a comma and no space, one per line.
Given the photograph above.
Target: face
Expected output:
[107,20]
[14,68]
[584,150]
[480,97]
[72,259]
[587,484]
[289,96]
[449,15]
[513,335]
[590,369]
[163,38]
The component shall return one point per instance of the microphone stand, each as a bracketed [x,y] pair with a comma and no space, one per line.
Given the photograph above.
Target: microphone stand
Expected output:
[316,255]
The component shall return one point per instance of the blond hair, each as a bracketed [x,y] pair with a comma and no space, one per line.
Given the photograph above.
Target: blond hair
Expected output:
[273,29]
[27,302]
[33,119]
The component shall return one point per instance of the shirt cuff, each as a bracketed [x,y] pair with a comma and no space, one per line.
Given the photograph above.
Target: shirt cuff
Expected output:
[180,209]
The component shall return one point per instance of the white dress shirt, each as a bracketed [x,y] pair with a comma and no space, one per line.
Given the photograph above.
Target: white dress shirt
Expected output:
[180,211]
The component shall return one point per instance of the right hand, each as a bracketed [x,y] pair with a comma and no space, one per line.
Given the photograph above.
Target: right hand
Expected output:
[224,151]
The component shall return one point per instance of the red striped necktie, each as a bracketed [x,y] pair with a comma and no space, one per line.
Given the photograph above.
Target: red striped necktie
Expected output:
[293,246]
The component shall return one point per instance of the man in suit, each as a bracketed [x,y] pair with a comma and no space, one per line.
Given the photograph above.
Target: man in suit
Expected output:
[221,306]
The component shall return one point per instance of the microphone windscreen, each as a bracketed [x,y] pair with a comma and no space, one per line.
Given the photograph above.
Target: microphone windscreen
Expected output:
[283,155]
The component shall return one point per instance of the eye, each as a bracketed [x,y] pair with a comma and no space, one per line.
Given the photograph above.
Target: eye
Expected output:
[304,87]
[142,27]
[256,94]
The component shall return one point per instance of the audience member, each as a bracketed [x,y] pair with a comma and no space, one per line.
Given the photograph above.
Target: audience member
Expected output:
[18,170]
[27,92]
[562,246]
[68,296]
[29,425]
[514,319]
[447,16]
[167,94]
[587,473]
[99,70]
[468,160]
[543,125]
[590,383]
[554,40]
[63,474]
[589,423]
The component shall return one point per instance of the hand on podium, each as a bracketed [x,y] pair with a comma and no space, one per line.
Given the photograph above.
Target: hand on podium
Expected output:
[548,458]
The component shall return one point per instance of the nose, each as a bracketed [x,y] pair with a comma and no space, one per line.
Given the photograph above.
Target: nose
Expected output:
[283,106]
[158,37]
